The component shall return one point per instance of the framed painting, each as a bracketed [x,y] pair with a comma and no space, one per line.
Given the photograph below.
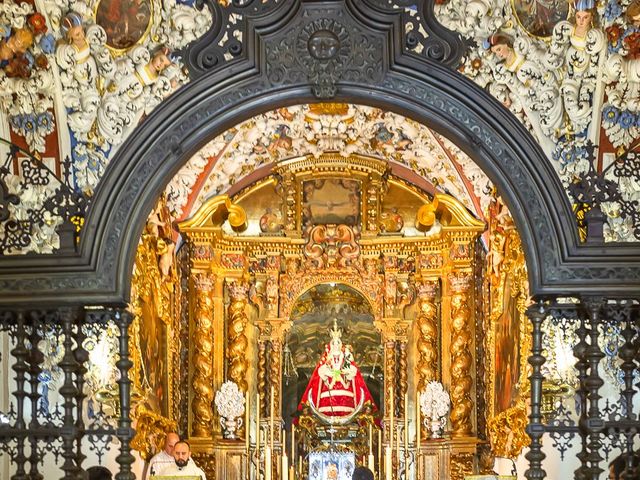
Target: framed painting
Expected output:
[126,22]
[331,465]
[331,201]
[538,17]
[507,350]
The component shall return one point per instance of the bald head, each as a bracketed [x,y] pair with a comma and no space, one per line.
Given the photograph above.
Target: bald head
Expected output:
[170,442]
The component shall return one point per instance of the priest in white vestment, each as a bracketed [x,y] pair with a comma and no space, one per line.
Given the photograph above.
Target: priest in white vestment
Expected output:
[183,465]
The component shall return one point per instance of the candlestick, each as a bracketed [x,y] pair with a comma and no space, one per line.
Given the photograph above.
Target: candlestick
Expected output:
[247,417]
[292,473]
[370,439]
[371,463]
[271,421]
[267,463]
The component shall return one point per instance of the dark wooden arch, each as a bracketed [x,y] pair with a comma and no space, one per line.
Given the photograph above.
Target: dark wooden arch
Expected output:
[372,63]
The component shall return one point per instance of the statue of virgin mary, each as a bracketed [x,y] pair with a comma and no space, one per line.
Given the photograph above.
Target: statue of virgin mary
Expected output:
[336,388]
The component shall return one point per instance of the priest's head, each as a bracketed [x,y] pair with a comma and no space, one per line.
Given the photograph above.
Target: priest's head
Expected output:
[182,453]
[170,442]
[362,473]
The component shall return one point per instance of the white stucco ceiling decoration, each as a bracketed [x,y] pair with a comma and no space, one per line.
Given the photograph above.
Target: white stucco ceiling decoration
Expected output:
[303,129]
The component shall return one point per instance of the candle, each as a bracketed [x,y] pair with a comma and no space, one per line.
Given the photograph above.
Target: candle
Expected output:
[285,466]
[380,449]
[391,411]
[293,445]
[388,464]
[370,439]
[418,419]
[371,463]
[292,473]
[247,417]
[284,442]
[258,435]
[267,463]
[406,423]
[271,421]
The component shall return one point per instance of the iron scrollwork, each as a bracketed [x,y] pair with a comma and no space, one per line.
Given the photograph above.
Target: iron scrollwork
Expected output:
[62,206]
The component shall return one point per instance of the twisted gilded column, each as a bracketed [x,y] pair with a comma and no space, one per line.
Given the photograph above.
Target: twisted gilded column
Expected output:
[262,378]
[427,343]
[390,375]
[275,357]
[403,381]
[461,359]
[237,340]
[201,405]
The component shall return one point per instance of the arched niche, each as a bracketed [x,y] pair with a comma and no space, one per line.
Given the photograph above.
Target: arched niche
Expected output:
[312,318]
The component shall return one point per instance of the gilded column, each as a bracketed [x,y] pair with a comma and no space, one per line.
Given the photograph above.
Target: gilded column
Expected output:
[390,375]
[403,382]
[427,343]
[237,340]
[461,359]
[275,356]
[201,425]
[262,378]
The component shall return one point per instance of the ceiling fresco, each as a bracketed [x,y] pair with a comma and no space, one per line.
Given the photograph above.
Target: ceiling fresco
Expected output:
[76,77]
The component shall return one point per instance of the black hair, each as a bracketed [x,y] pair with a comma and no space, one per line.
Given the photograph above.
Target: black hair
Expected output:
[99,473]
[362,473]
[620,463]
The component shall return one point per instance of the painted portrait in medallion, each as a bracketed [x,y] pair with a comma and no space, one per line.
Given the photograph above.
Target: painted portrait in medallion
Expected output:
[507,351]
[538,17]
[126,22]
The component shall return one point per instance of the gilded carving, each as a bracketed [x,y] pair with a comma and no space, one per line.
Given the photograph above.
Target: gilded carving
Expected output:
[331,246]
[151,429]
[237,340]
[202,340]
[262,377]
[403,381]
[461,465]
[275,361]
[427,343]
[207,462]
[507,431]
[390,375]
[461,358]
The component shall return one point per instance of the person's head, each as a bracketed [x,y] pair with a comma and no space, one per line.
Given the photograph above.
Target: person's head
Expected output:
[618,465]
[20,41]
[99,473]
[501,45]
[170,442]
[584,13]
[362,473]
[72,27]
[182,453]
[633,13]
[161,59]
[332,471]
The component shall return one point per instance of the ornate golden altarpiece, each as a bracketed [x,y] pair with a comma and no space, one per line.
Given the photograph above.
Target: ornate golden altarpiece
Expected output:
[328,220]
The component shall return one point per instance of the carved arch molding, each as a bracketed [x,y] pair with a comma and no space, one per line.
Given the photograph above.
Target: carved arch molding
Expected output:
[290,52]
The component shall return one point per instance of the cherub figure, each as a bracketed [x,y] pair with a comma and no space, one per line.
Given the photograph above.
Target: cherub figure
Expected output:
[85,64]
[12,52]
[140,83]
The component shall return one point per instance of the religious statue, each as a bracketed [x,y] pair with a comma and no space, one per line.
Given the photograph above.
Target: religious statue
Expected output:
[578,47]
[336,388]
